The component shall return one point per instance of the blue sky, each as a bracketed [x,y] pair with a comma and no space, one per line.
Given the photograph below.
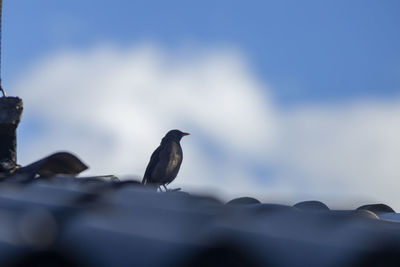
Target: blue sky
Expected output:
[308,50]
[285,100]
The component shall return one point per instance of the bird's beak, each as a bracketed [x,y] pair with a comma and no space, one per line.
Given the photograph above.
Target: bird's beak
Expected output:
[184,134]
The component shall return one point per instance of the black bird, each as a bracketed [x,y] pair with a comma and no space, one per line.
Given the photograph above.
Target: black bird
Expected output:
[165,161]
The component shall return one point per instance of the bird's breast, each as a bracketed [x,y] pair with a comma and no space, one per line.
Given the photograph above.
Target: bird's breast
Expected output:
[175,157]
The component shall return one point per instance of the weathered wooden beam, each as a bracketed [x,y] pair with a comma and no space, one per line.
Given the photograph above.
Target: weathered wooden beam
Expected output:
[10,116]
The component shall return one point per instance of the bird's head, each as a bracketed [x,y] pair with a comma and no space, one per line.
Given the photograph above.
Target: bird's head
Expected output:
[175,135]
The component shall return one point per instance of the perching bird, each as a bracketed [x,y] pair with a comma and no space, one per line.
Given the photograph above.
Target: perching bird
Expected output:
[165,161]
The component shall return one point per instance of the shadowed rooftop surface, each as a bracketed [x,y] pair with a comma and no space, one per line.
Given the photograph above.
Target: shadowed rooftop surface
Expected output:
[100,221]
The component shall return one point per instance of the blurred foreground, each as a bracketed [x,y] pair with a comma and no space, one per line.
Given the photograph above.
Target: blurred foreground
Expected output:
[100,221]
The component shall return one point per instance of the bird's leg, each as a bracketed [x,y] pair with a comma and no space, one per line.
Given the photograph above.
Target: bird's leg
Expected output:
[166,189]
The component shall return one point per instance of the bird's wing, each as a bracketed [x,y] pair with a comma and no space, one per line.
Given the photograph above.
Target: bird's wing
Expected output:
[155,157]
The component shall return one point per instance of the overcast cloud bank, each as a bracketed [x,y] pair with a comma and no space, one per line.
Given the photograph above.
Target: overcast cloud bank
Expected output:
[112,105]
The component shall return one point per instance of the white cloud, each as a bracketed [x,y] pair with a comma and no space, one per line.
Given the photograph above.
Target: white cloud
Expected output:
[111,106]
[351,149]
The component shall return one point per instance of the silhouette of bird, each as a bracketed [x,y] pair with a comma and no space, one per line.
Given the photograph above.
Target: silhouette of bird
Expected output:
[165,161]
